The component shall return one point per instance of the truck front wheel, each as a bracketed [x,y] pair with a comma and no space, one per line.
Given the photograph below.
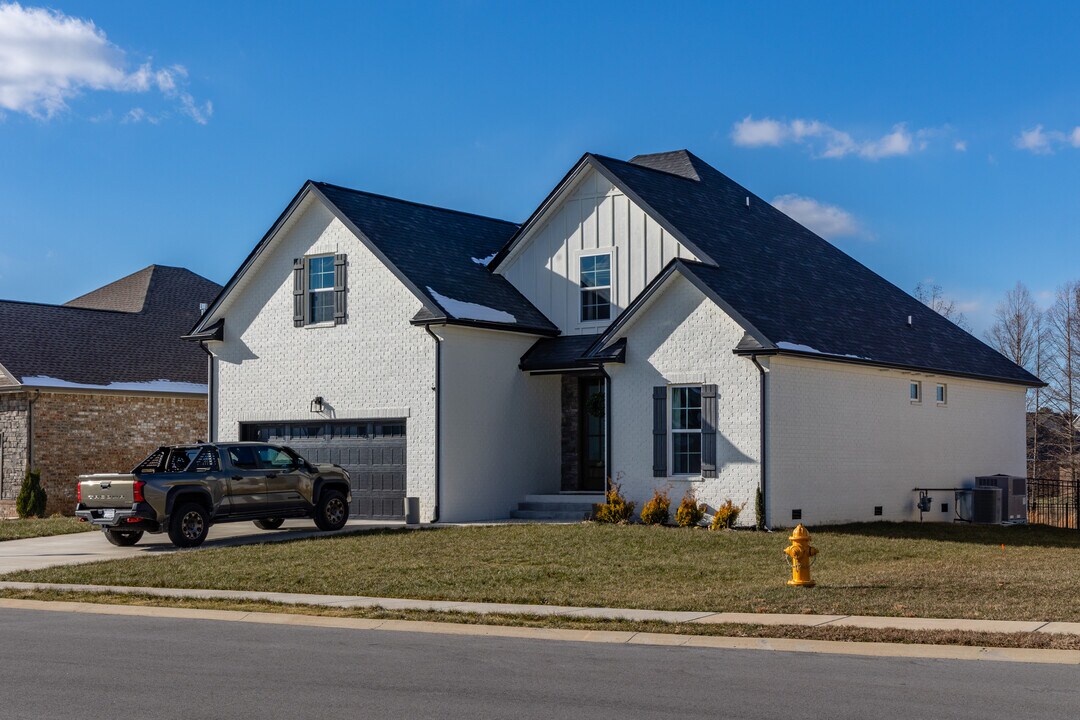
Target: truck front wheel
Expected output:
[188,525]
[123,538]
[332,512]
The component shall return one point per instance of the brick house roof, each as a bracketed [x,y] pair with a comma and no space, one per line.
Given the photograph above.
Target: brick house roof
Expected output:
[123,336]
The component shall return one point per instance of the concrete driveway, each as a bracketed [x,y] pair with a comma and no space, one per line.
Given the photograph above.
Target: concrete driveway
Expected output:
[35,553]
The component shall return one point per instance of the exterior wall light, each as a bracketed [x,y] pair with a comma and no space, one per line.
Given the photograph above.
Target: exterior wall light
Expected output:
[317,404]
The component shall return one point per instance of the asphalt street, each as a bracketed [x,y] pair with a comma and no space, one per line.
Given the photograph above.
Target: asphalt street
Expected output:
[60,665]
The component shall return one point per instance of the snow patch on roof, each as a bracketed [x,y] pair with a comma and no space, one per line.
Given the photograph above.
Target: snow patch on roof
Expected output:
[485,261]
[471,311]
[784,345]
[147,386]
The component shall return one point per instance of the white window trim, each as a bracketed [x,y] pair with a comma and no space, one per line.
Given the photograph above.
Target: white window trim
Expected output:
[612,312]
[672,432]
[944,394]
[308,291]
[918,385]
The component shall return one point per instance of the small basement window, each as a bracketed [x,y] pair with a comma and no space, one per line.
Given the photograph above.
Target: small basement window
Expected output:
[944,507]
[941,394]
[915,391]
[877,510]
[796,514]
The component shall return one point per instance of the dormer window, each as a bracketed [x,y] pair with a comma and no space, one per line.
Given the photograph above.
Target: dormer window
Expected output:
[595,279]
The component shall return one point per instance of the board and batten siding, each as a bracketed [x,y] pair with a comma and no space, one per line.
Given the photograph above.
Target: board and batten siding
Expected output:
[592,216]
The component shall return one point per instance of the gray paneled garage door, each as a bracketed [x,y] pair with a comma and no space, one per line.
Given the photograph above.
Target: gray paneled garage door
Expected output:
[372,451]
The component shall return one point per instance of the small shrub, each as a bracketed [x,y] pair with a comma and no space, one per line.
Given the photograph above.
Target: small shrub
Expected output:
[31,499]
[616,509]
[726,515]
[690,512]
[658,510]
[759,510]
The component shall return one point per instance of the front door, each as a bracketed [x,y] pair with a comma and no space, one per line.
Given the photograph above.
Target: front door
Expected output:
[591,423]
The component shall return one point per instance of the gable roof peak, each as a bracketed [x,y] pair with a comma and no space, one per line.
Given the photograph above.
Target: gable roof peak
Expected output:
[675,162]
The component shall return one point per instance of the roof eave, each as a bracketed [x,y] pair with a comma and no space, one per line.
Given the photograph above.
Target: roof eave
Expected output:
[1034,383]
[486,325]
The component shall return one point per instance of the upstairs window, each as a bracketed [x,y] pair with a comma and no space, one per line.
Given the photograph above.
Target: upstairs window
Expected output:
[942,395]
[915,392]
[321,289]
[595,279]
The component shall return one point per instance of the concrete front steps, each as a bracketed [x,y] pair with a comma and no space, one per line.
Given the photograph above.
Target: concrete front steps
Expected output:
[563,507]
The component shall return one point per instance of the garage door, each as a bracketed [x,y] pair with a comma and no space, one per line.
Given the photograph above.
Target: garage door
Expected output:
[372,451]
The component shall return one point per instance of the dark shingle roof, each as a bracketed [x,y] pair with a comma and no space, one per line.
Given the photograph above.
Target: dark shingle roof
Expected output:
[103,339]
[793,286]
[443,253]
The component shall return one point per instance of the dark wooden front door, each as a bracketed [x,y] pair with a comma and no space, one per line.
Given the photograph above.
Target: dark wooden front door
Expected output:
[591,422]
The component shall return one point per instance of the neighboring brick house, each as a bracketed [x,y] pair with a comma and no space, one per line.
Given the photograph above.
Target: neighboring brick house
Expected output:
[652,321]
[95,384]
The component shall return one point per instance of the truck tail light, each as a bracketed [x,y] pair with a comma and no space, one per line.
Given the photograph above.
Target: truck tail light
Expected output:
[136,491]
[78,492]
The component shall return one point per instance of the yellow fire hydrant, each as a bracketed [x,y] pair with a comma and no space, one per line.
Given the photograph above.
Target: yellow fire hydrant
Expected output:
[799,552]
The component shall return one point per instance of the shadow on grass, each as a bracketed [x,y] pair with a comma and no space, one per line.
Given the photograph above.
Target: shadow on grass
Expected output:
[1014,535]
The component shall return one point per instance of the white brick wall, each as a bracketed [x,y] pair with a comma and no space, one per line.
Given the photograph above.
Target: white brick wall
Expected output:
[500,431]
[845,438]
[376,365]
[683,337]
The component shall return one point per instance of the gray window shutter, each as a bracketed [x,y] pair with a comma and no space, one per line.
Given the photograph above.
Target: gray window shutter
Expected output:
[298,291]
[340,288]
[709,419]
[659,431]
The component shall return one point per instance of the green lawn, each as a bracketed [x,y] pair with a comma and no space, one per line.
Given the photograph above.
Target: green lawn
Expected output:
[40,527]
[877,569]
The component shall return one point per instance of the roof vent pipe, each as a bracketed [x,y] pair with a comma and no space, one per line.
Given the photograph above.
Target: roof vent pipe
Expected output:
[909,321]
[747,201]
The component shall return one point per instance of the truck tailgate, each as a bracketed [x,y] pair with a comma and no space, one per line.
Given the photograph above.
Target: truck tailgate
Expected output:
[107,491]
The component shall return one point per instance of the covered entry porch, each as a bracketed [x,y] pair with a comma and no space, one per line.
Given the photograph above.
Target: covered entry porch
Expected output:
[585,428]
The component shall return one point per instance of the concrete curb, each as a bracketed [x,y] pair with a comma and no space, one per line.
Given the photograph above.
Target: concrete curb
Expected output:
[711,618]
[870,649]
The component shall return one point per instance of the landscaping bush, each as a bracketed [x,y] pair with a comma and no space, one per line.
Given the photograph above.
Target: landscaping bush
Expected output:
[616,509]
[658,510]
[690,512]
[726,515]
[31,499]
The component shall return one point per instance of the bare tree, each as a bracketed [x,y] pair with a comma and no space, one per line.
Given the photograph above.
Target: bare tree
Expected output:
[1017,333]
[932,296]
[1063,371]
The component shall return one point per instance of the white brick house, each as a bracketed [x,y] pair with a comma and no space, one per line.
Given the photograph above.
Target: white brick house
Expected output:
[652,321]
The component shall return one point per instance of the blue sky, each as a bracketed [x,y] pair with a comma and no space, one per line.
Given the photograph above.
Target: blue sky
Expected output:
[176,133]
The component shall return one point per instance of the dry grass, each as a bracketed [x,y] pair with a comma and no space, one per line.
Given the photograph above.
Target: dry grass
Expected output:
[40,527]
[908,569]
[1044,641]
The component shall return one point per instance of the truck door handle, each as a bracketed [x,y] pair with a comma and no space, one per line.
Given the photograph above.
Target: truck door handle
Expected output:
[236,477]
[271,475]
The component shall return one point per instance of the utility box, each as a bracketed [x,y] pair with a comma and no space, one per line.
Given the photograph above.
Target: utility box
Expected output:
[412,511]
[1014,499]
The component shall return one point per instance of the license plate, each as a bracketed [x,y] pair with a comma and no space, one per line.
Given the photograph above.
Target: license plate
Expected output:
[108,514]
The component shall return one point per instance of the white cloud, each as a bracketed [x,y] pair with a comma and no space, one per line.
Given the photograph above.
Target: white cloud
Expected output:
[960,146]
[47,58]
[826,141]
[828,221]
[1039,141]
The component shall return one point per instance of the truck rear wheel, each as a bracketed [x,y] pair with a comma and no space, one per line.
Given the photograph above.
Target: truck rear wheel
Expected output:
[188,525]
[269,523]
[332,512]
[123,538]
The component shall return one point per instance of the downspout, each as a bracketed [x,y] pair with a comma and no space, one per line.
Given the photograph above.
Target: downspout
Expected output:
[763,373]
[438,424]
[607,428]
[210,413]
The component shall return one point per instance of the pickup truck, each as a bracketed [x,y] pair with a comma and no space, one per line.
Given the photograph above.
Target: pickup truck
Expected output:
[183,489]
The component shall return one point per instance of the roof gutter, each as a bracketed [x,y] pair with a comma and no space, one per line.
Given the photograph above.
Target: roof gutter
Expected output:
[890,365]
[438,424]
